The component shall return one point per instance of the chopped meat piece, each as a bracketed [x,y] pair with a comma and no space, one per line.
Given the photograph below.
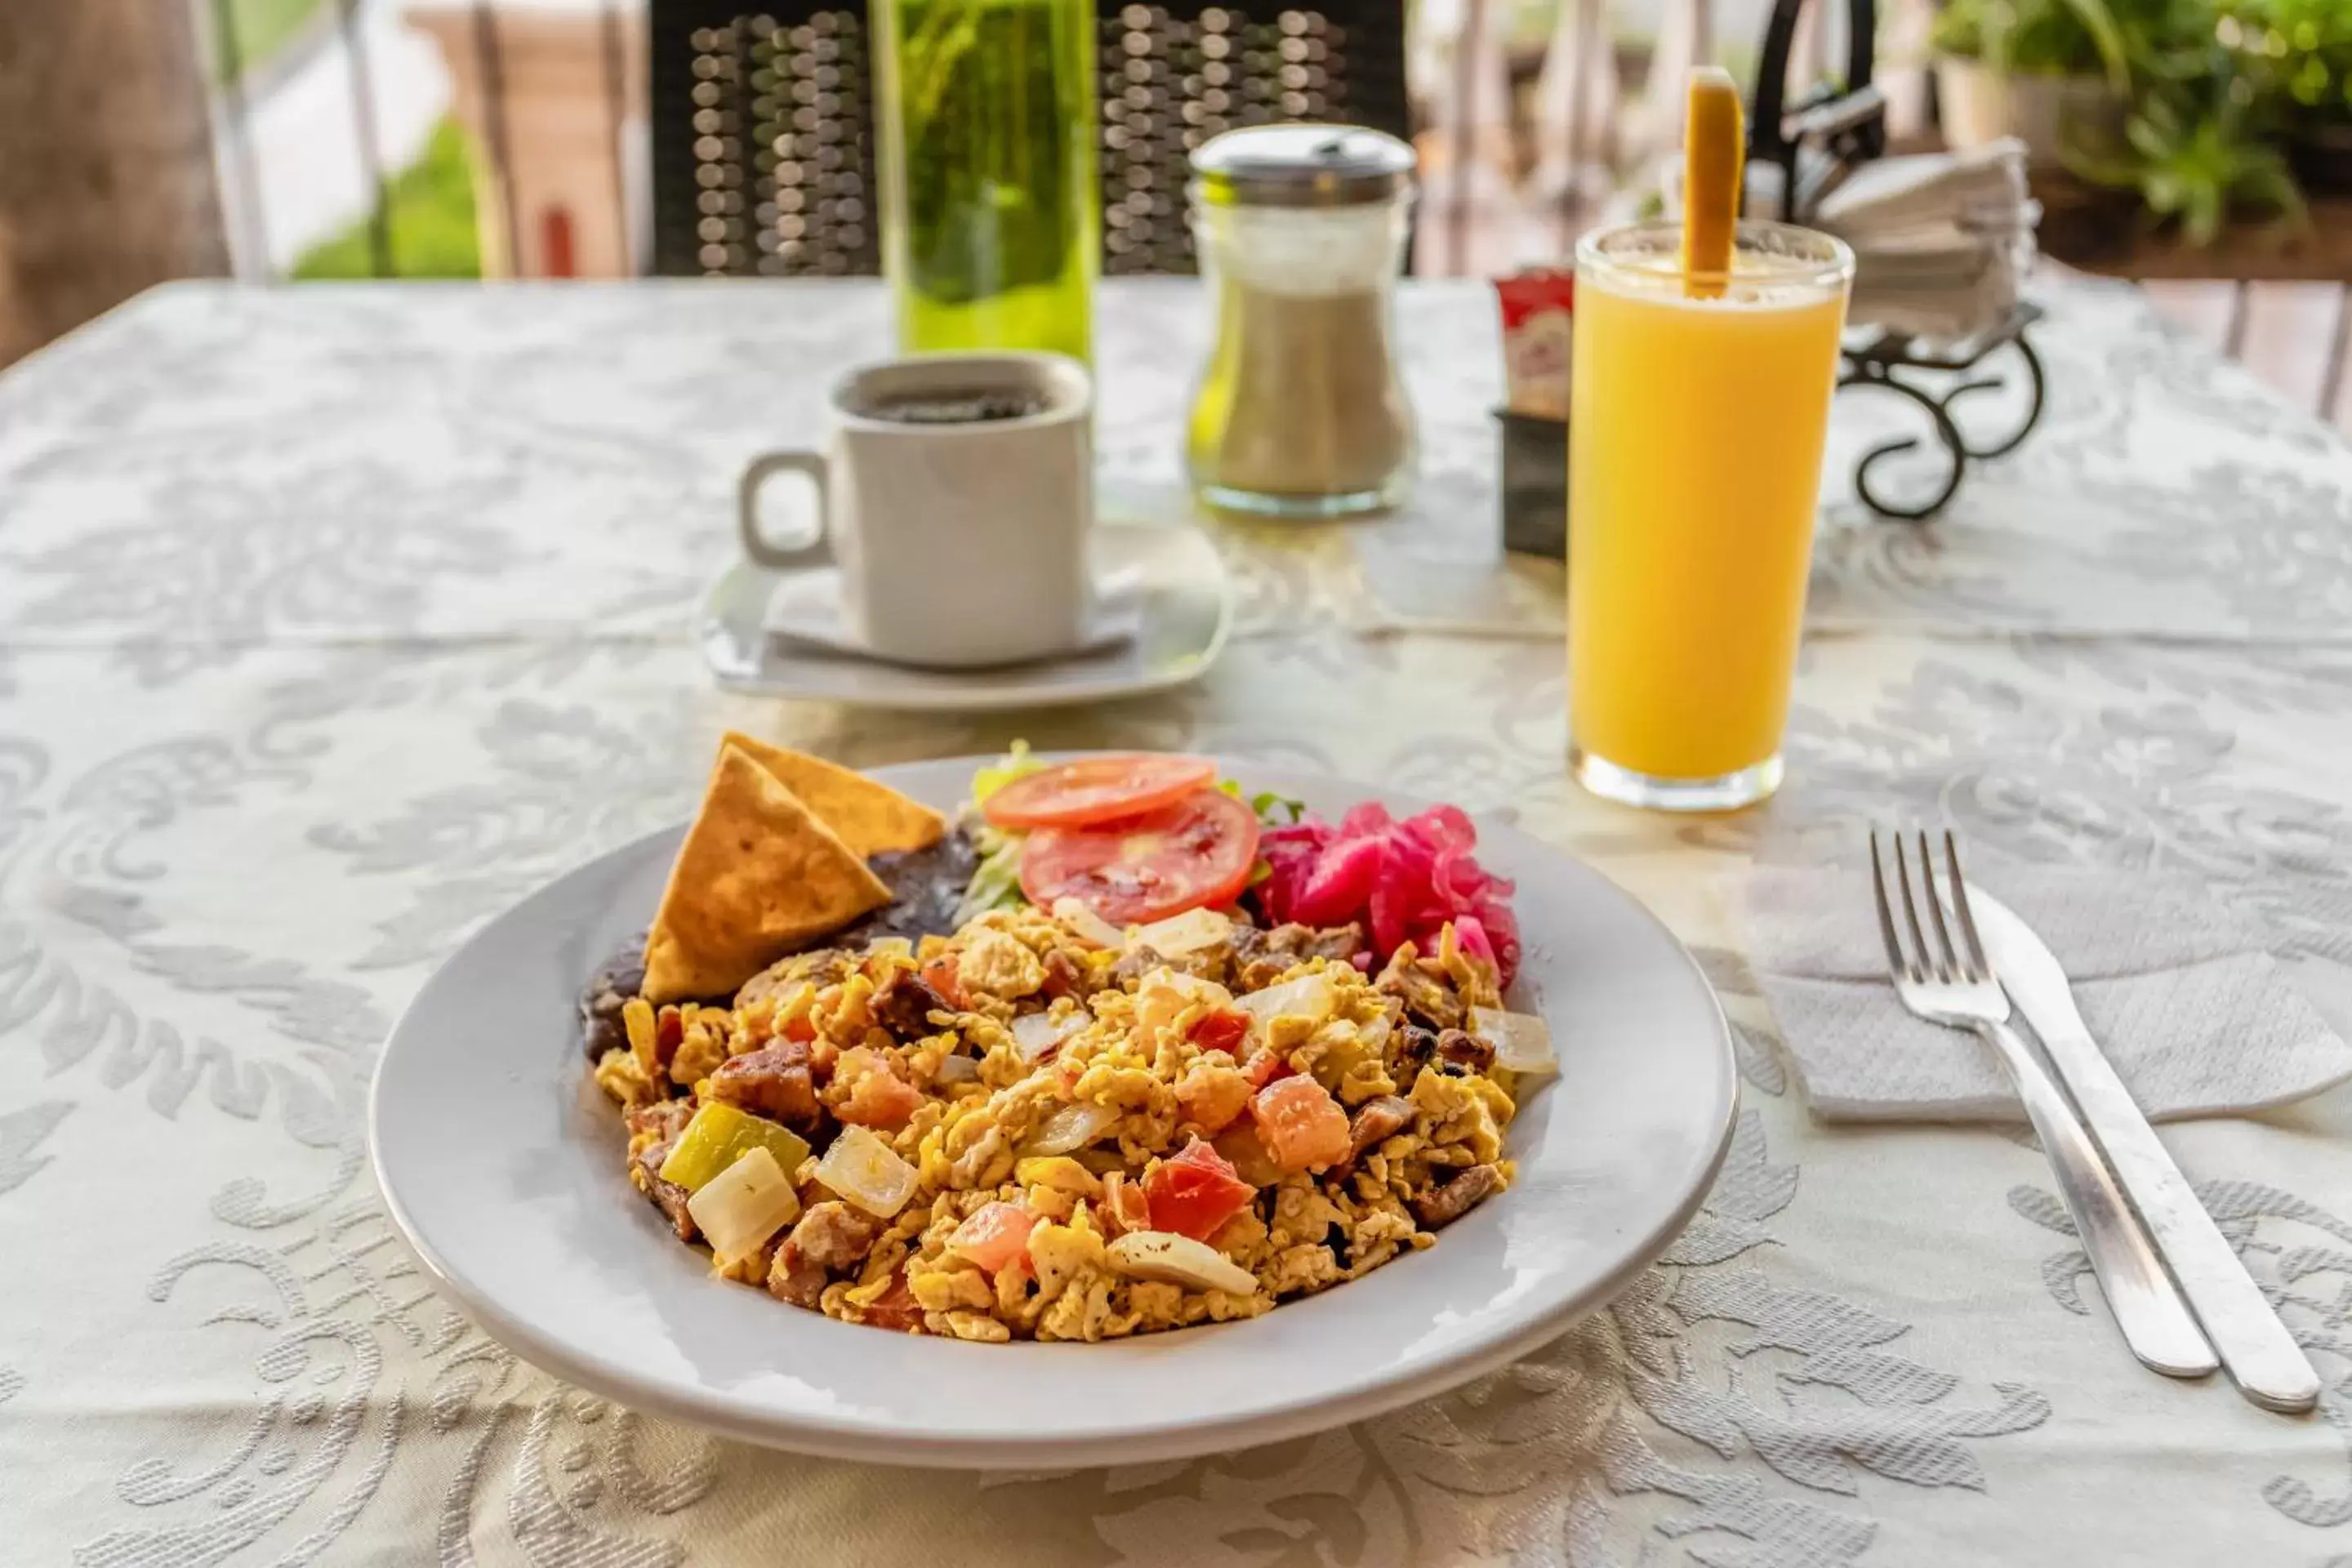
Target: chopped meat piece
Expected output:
[819,967]
[895,1308]
[1208,963]
[1411,1049]
[1376,1119]
[792,1276]
[831,1236]
[667,1119]
[904,1004]
[1463,1051]
[1133,966]
[772,1081]
[1427,996]
[1261,957]
[1458,1197]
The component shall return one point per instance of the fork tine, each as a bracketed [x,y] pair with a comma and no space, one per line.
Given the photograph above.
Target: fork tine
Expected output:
[1894,958]
[1927,963]
[1952,959]
[1960,906]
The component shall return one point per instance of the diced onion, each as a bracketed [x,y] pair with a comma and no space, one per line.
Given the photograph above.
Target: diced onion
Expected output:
[1195,930]
[1310,996]
[744,1204]
[1522,1041]
[1071,1127]
[867,1172]
[1034,1033]
[1085,925]
[956,1069]
[1374,1036]
[1179,1260]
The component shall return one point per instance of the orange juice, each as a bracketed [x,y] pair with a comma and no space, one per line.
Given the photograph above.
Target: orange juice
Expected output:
[1695,435]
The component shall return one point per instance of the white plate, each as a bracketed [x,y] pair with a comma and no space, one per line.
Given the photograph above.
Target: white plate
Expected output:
[503,1165]
[1184,611]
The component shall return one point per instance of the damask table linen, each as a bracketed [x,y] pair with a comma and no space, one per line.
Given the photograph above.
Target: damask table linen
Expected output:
[333,619]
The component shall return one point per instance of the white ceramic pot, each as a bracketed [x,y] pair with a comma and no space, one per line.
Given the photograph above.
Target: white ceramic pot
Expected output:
[2047,113]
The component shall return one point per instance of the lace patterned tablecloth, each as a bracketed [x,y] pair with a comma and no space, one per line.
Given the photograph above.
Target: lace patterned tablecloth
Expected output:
[333,619]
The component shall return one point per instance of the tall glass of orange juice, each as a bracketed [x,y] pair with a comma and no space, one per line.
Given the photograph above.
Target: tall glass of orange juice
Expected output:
[1696,420]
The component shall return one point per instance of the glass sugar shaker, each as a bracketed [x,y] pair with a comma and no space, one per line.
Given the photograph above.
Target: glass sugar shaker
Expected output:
[1300,230]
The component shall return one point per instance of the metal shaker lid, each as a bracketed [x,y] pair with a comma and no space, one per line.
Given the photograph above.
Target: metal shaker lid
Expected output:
[1301,165]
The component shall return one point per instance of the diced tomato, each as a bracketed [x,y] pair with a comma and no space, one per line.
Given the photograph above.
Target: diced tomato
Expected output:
[669,1030]
[1302,1125]
[1195,1192]
[1221,1031]
[998,1235]
[879,1096]
[895,1308]
[939,975]
[1264,1067]
[801,1027]
[1095,789]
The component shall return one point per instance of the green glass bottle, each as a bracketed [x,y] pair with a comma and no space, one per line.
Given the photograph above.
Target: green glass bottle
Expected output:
[991,218]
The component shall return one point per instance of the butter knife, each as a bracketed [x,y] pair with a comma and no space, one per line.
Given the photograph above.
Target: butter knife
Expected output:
[2270,1369]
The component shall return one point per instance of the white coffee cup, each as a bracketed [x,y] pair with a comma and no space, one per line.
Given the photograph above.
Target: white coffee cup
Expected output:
[960,544]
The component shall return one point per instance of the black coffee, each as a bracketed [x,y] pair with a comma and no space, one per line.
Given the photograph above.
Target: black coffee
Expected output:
[953,408]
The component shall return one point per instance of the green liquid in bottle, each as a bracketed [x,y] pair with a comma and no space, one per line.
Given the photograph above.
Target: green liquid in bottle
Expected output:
[991,218]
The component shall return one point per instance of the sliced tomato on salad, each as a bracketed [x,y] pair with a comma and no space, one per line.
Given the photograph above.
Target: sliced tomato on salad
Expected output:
[1096,789]
[1197,852]
[1195,1192]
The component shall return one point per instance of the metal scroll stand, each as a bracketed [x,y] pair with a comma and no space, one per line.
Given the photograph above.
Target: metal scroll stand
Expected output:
[1846,125]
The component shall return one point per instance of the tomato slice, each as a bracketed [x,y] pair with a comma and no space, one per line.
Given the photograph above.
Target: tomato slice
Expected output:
[1141,868]
[1195,1192]
[1096,789]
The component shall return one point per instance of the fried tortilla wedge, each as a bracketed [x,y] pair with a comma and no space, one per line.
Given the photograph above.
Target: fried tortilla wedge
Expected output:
[757,873]
[871,818]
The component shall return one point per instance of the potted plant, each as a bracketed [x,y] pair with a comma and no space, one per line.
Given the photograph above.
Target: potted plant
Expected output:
[2212,111]
[2052,73]
[2296,57]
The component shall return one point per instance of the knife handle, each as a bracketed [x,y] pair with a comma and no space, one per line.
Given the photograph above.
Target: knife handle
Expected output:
[2269,1367]
[2148,1308]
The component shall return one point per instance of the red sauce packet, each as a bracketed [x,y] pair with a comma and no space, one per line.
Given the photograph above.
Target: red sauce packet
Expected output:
[1538,308]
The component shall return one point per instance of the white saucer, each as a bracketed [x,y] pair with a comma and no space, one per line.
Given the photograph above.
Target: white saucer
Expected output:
[1184,610]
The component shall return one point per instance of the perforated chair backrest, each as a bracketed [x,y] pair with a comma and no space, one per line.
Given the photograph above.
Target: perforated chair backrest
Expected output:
[764,139]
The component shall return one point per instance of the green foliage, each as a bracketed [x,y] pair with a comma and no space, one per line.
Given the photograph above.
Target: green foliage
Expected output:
[2054,37]
[2200,167]
[429,209]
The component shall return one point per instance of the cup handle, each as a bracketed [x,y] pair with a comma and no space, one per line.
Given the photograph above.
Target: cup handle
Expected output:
[811,466]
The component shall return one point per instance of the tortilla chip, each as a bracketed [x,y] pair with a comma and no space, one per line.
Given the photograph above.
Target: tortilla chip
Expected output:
[871,818]
[757,873]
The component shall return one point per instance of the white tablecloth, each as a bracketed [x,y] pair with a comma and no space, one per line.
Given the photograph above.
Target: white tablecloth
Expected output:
[333,619]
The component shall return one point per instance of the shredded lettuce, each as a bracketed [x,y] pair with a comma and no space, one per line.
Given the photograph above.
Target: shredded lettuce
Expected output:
[1273,809]
[996,882]
[1014,764]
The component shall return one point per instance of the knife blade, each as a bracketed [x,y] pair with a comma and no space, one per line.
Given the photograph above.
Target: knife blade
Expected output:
[2262,1356]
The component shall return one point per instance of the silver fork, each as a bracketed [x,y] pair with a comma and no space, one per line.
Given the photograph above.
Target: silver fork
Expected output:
[1953,986]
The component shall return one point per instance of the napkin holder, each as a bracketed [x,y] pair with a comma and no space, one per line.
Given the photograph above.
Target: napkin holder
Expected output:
[1815,142]
[1534,470]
